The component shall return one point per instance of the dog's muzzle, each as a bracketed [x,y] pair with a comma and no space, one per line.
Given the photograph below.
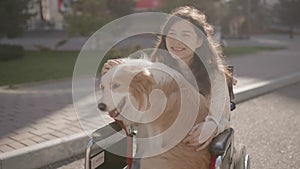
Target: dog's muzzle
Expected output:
[115,112]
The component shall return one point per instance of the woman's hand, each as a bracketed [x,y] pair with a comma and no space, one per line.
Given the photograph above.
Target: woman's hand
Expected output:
[194,139]
[110,64]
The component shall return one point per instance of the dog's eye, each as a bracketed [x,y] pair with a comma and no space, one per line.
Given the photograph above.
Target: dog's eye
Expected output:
[115,85]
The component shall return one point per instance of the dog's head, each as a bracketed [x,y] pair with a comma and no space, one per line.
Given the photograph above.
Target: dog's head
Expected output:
[126,87]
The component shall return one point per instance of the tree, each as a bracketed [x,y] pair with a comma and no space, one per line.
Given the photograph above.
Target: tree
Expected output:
[13,16]
[259,13]
[210,8]
[289,13]
[121,8]
[244,17]
[87,16]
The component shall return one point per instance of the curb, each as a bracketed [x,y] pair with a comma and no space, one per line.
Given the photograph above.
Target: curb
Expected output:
[46,153]
[32,84]
[257,89]
[53,151]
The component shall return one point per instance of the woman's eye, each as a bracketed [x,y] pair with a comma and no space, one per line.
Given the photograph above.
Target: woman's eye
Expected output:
[186,35]
[171,34]
[115,85]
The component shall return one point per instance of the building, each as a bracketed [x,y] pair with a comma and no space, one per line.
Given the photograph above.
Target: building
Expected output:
[47,14]
[146,5]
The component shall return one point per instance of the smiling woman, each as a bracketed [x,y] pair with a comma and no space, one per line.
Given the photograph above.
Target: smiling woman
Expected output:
[187,37]
[182,41]
[185,44]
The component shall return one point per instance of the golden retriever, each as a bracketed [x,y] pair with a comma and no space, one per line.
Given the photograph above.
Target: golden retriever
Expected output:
[163,106]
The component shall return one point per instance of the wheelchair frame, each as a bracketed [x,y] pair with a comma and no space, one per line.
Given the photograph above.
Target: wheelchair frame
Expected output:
[224,154]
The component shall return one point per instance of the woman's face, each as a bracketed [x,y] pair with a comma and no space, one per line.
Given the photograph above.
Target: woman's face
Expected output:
[182,40]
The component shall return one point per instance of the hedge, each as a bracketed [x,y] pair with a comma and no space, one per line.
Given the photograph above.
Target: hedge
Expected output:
[10,52]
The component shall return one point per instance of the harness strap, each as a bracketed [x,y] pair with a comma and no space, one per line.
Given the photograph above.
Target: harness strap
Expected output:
[213,161]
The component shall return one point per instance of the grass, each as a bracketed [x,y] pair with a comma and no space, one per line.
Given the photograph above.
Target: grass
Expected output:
[48,65]
[236,51]
[38,66]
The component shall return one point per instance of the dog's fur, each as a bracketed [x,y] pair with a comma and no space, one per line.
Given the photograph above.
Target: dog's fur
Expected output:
[131,85]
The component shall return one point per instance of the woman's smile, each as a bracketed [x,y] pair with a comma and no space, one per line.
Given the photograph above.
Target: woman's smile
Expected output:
[177,49]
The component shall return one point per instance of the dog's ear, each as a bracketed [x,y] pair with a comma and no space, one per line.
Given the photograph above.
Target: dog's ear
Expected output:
[140,88]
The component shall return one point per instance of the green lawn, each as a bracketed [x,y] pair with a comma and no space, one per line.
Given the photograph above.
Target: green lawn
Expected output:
[37,66]
[236,51]
[47,65]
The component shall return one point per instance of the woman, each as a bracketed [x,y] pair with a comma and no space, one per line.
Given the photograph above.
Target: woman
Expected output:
[187,38]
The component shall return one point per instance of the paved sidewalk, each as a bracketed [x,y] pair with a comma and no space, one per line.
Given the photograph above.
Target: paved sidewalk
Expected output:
[35,114]
[41,112]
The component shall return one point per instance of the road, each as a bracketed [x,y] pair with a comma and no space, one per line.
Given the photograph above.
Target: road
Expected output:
[268,125]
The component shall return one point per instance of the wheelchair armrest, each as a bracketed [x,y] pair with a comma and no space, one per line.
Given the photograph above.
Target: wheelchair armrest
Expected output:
[105,155]
[106,131]
[220,143]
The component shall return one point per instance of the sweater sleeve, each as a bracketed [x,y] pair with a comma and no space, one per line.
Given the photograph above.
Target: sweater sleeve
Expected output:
[219,110]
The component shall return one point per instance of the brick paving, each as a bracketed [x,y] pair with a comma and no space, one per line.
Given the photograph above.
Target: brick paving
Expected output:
[36,113]
[40,112]
[32,114]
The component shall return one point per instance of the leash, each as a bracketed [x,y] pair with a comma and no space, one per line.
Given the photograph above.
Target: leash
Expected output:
[129,153]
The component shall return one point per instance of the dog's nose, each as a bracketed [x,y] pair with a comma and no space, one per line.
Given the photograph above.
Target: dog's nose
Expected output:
[102,106]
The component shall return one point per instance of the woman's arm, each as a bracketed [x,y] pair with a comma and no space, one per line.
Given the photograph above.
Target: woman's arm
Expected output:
[220,103]
[198,132]
[217,120]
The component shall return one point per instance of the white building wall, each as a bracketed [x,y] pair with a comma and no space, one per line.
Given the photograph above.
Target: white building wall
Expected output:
[55,16]
[47,17]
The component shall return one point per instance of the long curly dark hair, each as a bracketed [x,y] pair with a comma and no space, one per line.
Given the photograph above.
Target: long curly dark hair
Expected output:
[210,53]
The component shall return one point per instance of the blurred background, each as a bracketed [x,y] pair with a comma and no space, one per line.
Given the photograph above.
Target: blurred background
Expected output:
[43,30]
[40,41]
[237,18]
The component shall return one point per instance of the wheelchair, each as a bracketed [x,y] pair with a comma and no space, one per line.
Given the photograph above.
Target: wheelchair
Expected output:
[224,153]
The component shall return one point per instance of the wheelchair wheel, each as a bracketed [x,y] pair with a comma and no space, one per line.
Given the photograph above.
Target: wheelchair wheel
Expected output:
[242,159]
